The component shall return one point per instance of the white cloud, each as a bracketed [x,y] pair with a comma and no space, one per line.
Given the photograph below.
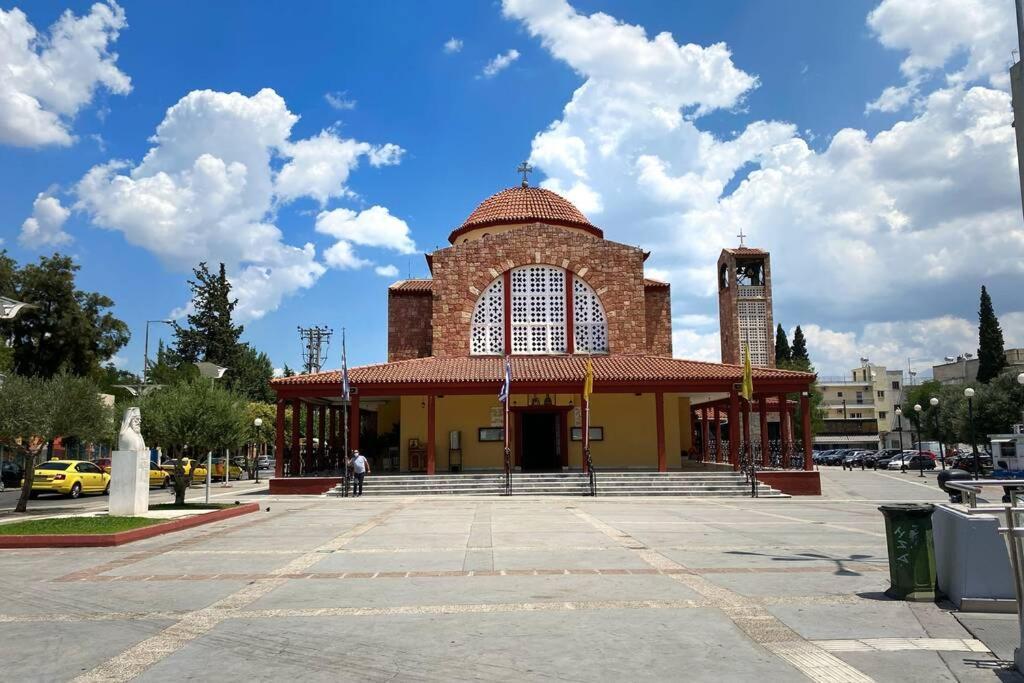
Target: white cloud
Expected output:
[45,227]
[386,271]
[340,101]
[693,345]
[500,63]
[893,98]
[47,79]
[452,45]
[341,255]
[207,191]
[373,227]
[868,228]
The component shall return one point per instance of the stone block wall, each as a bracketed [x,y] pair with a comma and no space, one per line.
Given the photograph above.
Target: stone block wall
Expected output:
[463,271]
[658,317]
[409,325]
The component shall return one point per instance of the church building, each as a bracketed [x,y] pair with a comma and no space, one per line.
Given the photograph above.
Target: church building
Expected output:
[528,277]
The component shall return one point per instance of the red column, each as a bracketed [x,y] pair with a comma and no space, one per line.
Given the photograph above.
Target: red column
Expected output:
[293,468]
[332,435]
[431,446]
[717,426]
[762,413]
[704,435]
[659,427]
[353,422]
[310,448]
[734,429]
[279,440]
[805,416]
[321,432]
[785,435]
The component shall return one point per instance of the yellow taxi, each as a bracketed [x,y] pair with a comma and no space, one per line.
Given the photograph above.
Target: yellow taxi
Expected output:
[157,476]
[69,477]
[199,473]
[187,464]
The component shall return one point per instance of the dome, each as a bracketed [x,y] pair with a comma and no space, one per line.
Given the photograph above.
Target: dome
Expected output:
[525,205]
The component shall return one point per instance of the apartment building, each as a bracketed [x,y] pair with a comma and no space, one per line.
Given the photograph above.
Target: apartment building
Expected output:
[860,409]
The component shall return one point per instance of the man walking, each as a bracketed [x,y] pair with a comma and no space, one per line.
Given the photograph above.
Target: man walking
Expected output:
[360,468]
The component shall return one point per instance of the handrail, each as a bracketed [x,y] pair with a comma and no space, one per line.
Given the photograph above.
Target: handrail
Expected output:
[975,486]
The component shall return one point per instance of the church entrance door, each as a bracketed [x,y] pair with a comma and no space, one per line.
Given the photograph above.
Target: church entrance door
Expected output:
[540,447]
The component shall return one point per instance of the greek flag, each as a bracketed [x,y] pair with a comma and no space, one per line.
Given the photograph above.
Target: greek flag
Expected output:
[506,387]
[345,389]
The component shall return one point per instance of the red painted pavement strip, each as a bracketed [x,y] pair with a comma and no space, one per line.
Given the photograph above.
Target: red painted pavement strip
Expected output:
[122,537]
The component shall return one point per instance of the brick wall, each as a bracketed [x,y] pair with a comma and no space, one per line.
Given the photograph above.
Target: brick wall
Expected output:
[658,316]
[614,270]
[409,325]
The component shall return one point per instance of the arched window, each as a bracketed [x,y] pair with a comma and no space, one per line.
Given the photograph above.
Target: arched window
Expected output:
[536,307]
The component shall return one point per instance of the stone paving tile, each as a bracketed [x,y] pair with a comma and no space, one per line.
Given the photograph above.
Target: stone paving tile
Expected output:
[913,667]
[120,596]
[561,559]
[861,620]
[384,562]
[763,584]
[170,564]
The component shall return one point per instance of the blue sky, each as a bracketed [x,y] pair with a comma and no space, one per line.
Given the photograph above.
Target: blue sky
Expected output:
[878,248]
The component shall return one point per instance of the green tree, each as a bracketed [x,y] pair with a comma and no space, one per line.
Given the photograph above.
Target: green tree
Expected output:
[287,371]
[991,354]
[197,414]
[257,438]
[66,330]
[783,354]
[211,335]
[251,374]
[34,411]
[799,351]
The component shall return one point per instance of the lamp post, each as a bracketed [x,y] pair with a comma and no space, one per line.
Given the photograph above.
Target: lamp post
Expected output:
[899,425]
[920,455]
[934,403]
[145,350]
[969,394]
[212,371]
[257,423]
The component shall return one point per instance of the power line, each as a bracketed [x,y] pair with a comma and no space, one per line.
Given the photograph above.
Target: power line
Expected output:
[315,342]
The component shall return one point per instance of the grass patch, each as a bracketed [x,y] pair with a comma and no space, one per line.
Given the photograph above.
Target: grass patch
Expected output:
[75,525]
[192,506]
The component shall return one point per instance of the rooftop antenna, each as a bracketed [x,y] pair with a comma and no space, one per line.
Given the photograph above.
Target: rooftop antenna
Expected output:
[525,169]
[315,342]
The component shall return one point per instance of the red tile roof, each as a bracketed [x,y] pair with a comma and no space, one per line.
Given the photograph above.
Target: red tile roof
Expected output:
[525,205]
[419,286]
[553,370]
[655,284]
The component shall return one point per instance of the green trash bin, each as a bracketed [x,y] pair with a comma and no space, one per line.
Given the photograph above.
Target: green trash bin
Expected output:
[908,534]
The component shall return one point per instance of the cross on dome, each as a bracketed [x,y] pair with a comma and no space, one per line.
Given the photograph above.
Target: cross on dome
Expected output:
[525,169]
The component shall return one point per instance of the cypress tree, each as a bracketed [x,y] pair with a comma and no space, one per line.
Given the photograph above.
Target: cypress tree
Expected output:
[210,334]
[799,351]
[991,354]
[783,354]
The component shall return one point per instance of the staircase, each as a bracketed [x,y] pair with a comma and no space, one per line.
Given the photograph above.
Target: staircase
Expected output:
[706,484]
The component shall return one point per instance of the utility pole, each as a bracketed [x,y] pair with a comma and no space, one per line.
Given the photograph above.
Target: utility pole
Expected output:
[315,342]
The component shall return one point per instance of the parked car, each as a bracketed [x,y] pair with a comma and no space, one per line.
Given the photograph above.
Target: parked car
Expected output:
[104,464]
[11,473]
[966,462]
[838,456]
[199,473]
[69,477]
[882,458]
[265,462]
[187,465]
[912,462]
[158,476]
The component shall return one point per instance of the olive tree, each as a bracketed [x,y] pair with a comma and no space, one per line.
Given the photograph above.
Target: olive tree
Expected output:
[196,414]
[34,411]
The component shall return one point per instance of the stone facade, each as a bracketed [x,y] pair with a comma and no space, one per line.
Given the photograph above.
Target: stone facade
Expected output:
[615,272]
[658,316]
[409,324]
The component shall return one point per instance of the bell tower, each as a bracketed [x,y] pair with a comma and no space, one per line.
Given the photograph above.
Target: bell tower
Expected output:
[745,306]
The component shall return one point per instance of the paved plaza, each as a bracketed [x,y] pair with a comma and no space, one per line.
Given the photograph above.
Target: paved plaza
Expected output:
[467,588]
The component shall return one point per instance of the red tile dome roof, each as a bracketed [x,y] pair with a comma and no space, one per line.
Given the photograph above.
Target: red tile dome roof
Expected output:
[525,205]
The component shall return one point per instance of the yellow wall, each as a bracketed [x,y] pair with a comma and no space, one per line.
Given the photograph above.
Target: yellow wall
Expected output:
[630,431]
[388,415]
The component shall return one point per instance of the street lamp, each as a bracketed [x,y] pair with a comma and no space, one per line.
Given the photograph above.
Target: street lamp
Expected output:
[899,425]
[934,402]
[920,455]
[257,423]
[969,393]
[212,371]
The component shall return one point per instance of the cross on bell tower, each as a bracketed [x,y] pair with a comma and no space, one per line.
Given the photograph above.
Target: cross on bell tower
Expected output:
[741,236]
[525,169]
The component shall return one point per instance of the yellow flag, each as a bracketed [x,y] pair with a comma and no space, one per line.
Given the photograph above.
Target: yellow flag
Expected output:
[588,382]
[748,375]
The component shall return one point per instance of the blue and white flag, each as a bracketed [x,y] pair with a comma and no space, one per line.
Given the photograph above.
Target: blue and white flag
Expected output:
[345,389]
[506,387]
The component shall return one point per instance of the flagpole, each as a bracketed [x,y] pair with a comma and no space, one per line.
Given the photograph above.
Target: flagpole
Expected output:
[345,401]
[507,390]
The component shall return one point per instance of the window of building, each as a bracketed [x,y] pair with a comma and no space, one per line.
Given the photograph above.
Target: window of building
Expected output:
[537,306]
[839,394]
[860,397]
[856,415]
[882,414]
[880,393]
[896,384]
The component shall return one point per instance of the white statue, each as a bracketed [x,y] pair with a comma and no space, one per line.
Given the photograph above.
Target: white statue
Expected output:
[130,436]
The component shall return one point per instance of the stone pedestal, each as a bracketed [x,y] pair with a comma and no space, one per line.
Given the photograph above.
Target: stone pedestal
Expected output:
[129,483]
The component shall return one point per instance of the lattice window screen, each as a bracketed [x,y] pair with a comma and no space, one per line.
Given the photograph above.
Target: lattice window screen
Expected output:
[538,310]
[590,328]
[754,331]
[487,330]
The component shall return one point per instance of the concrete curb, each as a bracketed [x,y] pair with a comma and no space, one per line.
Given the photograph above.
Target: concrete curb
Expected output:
[122,537]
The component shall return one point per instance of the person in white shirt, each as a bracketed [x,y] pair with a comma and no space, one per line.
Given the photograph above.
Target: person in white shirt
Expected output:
[361,468]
